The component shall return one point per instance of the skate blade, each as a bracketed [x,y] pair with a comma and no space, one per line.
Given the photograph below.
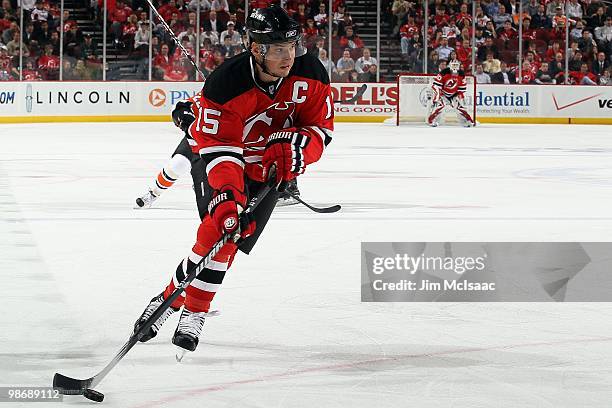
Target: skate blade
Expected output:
[180,353]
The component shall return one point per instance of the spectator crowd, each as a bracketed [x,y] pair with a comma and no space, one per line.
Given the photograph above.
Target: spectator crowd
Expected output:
[38,43]
[132,36]
[451,33]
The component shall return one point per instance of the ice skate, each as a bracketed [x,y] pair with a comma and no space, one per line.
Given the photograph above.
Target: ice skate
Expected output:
[187,333]
[149,310]
[284,199]
[146,200]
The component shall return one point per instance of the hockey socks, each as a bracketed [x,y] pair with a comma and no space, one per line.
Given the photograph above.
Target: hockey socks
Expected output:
[176,166]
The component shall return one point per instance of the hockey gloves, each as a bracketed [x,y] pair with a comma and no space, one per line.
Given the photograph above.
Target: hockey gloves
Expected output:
[285,149]
[225,209]
[182,115]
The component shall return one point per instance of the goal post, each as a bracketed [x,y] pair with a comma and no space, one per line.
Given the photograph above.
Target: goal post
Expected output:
[414,97]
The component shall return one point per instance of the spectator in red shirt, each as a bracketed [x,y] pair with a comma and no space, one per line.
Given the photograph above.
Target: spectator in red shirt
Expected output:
[533,55]
[464,54]
[4,22]
[6,61]
[407,33]
[178,53]
[409,29]
[121,13]
[118,18]
[350,39]
[310,31]
[507,32]
[527,75]
[552,51]
[557,33]
[30,73]
[531,59]
[440,18]
[213,62]
[300,15]
[68,22]
[176,72]
[49,64]
[129,30]
[528,32]
[464,18]
[167,9]
[583,77]
[253,4]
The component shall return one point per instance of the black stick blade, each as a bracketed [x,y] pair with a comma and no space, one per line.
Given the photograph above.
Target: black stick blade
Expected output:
[70,386]
[332,209]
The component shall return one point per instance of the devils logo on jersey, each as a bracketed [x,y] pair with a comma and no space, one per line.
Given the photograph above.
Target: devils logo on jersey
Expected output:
[450,85]
[257,128]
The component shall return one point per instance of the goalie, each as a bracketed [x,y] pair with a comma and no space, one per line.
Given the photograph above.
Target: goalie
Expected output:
[448,92]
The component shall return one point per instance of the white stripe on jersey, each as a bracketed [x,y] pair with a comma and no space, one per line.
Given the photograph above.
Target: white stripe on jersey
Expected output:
[216,149]
[222,159]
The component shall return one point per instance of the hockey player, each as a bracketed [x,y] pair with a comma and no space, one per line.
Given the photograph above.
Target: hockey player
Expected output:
[270,106]
[448,91]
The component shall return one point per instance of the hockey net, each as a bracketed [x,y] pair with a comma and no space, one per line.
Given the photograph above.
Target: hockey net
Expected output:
[414,99]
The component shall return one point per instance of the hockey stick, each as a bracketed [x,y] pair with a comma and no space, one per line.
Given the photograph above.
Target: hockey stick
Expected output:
[320,210]
[176,40]
[360,91]
[72,386]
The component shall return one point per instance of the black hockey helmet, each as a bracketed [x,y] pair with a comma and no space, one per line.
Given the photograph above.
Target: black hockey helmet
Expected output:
[272,25]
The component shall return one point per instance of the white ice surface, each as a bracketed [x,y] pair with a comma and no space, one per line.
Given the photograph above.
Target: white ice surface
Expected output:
[79,264]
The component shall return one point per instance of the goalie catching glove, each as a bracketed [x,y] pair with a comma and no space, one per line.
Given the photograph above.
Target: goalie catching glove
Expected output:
[285,149]
[226,208]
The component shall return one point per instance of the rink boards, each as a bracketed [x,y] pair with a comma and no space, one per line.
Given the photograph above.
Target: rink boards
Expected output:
[153,101]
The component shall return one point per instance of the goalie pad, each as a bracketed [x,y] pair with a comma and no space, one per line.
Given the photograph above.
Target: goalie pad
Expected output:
[442,103]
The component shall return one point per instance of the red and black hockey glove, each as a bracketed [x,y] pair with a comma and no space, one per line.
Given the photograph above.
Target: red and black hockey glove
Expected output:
[285,149]
[182,115]
[225,208]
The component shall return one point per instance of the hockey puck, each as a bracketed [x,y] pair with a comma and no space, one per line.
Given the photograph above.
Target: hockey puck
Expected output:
[93,395]
[139,202]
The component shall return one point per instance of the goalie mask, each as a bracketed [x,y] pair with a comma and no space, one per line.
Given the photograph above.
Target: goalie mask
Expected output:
[454,66]
[275,32]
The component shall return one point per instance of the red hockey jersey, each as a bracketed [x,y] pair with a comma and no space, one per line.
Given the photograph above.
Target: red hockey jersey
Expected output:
[236,113]
[449,84]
